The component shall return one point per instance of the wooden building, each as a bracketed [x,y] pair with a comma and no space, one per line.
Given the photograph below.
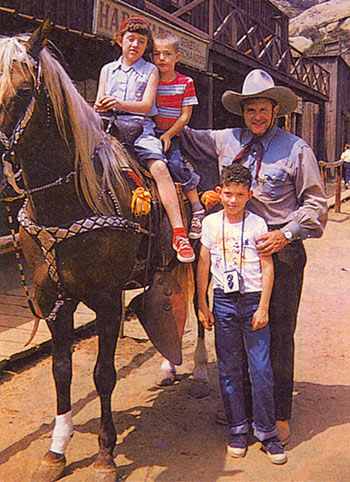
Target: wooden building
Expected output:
[337,110]
[221,41]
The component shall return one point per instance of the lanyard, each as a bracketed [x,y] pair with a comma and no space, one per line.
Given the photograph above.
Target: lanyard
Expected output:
[223,241]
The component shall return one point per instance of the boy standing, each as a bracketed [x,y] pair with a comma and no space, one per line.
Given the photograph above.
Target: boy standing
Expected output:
[129,85]
[176,97]
[242,288]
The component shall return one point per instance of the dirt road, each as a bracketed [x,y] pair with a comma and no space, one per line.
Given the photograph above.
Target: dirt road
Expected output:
[166,435]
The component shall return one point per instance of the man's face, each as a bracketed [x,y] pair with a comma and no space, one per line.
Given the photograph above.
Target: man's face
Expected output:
[259,115]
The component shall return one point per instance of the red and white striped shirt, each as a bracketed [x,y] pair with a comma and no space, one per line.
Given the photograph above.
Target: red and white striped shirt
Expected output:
[171,97]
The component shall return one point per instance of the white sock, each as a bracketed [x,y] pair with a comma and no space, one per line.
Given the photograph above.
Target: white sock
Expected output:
[62,433]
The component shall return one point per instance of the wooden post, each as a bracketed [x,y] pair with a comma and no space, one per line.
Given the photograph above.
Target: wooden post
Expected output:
[338,177]
[338,167]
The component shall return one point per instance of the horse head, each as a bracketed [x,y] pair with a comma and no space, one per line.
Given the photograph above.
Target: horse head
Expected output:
[18,84]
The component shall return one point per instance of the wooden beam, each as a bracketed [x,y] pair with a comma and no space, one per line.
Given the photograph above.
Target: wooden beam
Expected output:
[177,21]
[188,7]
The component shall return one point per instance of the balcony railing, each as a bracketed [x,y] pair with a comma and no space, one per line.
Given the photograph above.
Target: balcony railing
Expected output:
[226,24]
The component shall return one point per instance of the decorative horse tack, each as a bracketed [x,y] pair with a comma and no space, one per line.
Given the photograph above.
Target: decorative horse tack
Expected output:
[93,267]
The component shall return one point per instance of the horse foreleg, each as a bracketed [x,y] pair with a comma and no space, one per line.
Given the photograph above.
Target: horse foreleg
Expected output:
[200,371]
[53,463]
[105,379]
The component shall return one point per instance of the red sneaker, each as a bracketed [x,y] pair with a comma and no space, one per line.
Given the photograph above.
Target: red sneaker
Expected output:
[184,250]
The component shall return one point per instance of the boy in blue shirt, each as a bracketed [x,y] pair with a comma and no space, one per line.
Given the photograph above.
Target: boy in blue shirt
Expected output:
[243,283]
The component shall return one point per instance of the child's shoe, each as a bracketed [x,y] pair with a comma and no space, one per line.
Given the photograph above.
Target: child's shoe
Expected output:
[274,450]
[237,445]
[196,226]
[184,250]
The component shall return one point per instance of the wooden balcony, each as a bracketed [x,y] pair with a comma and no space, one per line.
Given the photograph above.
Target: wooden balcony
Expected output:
[253,31]
[259,34]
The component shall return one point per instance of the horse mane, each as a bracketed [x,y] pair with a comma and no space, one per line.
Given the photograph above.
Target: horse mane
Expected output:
[71,110]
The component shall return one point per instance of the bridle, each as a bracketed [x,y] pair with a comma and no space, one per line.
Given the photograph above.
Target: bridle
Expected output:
[11,170]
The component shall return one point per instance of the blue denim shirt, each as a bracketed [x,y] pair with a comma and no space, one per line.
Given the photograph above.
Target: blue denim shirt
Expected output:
[129,83]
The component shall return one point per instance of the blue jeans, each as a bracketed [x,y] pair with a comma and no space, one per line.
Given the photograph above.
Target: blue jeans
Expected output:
[178,168]
[233,333]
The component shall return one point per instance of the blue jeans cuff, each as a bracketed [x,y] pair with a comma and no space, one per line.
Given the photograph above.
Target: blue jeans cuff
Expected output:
[241,428]
[191,184]
[263,434]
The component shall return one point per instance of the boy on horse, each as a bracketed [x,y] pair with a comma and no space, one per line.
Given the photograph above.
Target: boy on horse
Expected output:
[176,97]
[129,85]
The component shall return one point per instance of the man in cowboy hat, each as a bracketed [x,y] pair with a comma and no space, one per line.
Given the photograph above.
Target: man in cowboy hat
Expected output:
[287,193]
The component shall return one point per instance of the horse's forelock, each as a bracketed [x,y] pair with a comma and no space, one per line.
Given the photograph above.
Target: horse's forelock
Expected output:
[13,54]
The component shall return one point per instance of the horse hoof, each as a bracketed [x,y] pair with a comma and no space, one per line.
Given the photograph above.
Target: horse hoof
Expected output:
[199,389]
[166,376]
[51,467]
[166,380]
[105,470]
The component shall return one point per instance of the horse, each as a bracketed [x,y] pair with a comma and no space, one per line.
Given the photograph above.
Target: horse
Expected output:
[78,232]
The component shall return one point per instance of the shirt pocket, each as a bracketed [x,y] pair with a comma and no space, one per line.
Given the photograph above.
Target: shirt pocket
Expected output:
[140,87]
[273,180]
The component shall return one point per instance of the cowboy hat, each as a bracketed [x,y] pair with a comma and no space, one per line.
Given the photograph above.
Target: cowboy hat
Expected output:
[259,84]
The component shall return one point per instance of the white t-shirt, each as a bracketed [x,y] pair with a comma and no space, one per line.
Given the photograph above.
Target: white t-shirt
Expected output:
[212,230]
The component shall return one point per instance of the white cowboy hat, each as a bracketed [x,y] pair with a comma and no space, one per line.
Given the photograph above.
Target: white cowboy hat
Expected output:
[258,84]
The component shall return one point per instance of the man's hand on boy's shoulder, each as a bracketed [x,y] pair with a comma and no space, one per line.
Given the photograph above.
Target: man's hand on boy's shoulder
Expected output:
[271,242]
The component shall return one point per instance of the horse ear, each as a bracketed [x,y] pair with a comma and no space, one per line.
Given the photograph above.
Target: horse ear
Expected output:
[38,39]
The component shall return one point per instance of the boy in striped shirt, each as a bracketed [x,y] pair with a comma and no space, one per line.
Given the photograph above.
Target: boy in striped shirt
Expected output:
[176,97]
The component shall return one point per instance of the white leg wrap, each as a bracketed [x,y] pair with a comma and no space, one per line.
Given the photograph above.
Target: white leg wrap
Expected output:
[166,374]
[62,433]
[168,367]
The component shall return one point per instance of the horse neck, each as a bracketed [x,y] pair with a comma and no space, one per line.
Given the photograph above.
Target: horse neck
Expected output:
[44,157]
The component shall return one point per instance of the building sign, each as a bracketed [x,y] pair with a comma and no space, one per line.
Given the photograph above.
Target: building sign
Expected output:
[109,14]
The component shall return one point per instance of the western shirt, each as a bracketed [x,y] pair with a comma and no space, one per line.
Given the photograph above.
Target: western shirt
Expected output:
[288,189]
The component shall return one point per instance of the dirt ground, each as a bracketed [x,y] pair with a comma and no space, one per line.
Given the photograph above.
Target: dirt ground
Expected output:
[165,434]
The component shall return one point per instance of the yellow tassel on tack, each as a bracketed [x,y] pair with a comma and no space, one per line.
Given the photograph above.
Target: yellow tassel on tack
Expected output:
[141,202]
[209,199]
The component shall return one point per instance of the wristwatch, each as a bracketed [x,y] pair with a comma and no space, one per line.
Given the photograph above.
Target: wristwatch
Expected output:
[288,235]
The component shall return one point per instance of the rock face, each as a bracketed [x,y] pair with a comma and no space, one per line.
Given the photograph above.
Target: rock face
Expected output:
[325,16]
[317,20]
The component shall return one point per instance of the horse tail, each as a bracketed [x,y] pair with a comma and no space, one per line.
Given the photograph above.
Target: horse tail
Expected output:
[183,273]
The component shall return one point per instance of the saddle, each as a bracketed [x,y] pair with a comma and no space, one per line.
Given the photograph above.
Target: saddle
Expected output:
[125,129]
[161,308]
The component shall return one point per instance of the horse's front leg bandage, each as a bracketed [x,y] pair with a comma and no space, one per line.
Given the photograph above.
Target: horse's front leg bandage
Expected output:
[62,433]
